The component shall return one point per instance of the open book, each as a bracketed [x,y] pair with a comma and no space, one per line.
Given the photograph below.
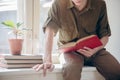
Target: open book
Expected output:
[91,41]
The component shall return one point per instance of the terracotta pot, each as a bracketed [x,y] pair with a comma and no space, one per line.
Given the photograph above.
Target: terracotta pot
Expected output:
[16,46]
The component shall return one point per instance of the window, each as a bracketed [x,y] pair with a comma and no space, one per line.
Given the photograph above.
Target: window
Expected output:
[26,11]
[33,13]
[44,8]
[8,11]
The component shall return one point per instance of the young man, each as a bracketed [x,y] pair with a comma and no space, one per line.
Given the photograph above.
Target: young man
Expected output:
[75,19]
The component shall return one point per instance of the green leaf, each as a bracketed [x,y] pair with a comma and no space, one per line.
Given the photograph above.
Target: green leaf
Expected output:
[18,24]
[8,23]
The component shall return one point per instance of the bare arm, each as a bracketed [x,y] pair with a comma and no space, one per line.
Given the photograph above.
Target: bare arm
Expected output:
[104,41]
[48,44]
[47,60]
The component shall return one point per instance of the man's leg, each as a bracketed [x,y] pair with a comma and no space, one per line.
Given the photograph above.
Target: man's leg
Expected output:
[107,65]
[72,66]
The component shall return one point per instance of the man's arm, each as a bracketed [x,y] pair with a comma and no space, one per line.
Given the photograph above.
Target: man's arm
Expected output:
[49,34]
[47,59]
[104,41]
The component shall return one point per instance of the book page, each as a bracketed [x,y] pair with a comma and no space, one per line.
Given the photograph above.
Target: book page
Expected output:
[68,45]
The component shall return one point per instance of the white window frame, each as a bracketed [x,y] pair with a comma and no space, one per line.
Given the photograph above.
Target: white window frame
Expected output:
[29,13]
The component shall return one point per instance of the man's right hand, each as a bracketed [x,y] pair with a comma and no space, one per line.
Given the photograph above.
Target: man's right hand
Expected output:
[47,60]
[44,67]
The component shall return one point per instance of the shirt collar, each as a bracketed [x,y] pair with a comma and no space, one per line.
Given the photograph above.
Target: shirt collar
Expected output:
[70,4]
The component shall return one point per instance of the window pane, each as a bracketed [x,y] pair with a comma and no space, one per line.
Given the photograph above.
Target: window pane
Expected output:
[44,7]
[8,11]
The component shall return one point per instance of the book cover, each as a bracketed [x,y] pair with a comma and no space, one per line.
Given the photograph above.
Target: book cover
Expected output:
[7,61]
[91,41]
[23,56]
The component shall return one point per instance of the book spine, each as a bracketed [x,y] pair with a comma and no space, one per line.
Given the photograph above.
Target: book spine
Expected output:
[21,57]
[21,61]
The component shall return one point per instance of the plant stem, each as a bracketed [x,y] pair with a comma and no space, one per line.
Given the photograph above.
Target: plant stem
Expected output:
[16,36]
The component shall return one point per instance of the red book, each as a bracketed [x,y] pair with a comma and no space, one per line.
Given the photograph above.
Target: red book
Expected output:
[91,41]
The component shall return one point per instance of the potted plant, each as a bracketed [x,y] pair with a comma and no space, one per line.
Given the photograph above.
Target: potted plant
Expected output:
[17,31]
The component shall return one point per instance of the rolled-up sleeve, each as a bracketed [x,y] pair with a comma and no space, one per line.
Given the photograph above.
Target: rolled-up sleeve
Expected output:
[103,28]
[52,20]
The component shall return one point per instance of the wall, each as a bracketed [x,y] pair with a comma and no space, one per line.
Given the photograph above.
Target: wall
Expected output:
[114,21]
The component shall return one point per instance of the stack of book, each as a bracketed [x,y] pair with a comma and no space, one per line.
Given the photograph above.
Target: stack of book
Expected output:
[20,61]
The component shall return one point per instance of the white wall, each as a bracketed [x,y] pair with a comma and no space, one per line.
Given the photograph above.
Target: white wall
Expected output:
[113,7]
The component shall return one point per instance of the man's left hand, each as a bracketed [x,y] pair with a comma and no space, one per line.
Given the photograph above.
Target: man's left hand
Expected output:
[86,51]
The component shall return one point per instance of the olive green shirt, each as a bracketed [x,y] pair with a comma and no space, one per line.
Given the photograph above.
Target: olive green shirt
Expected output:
[64,18]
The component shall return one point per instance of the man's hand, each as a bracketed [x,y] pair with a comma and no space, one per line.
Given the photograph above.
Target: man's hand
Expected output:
[44,67]
[47,60]
[88,52]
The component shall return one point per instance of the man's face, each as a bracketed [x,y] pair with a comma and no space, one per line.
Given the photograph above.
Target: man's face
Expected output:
[77,2]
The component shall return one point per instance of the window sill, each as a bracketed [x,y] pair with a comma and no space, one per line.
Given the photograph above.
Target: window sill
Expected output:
[56,74]
[4,71]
